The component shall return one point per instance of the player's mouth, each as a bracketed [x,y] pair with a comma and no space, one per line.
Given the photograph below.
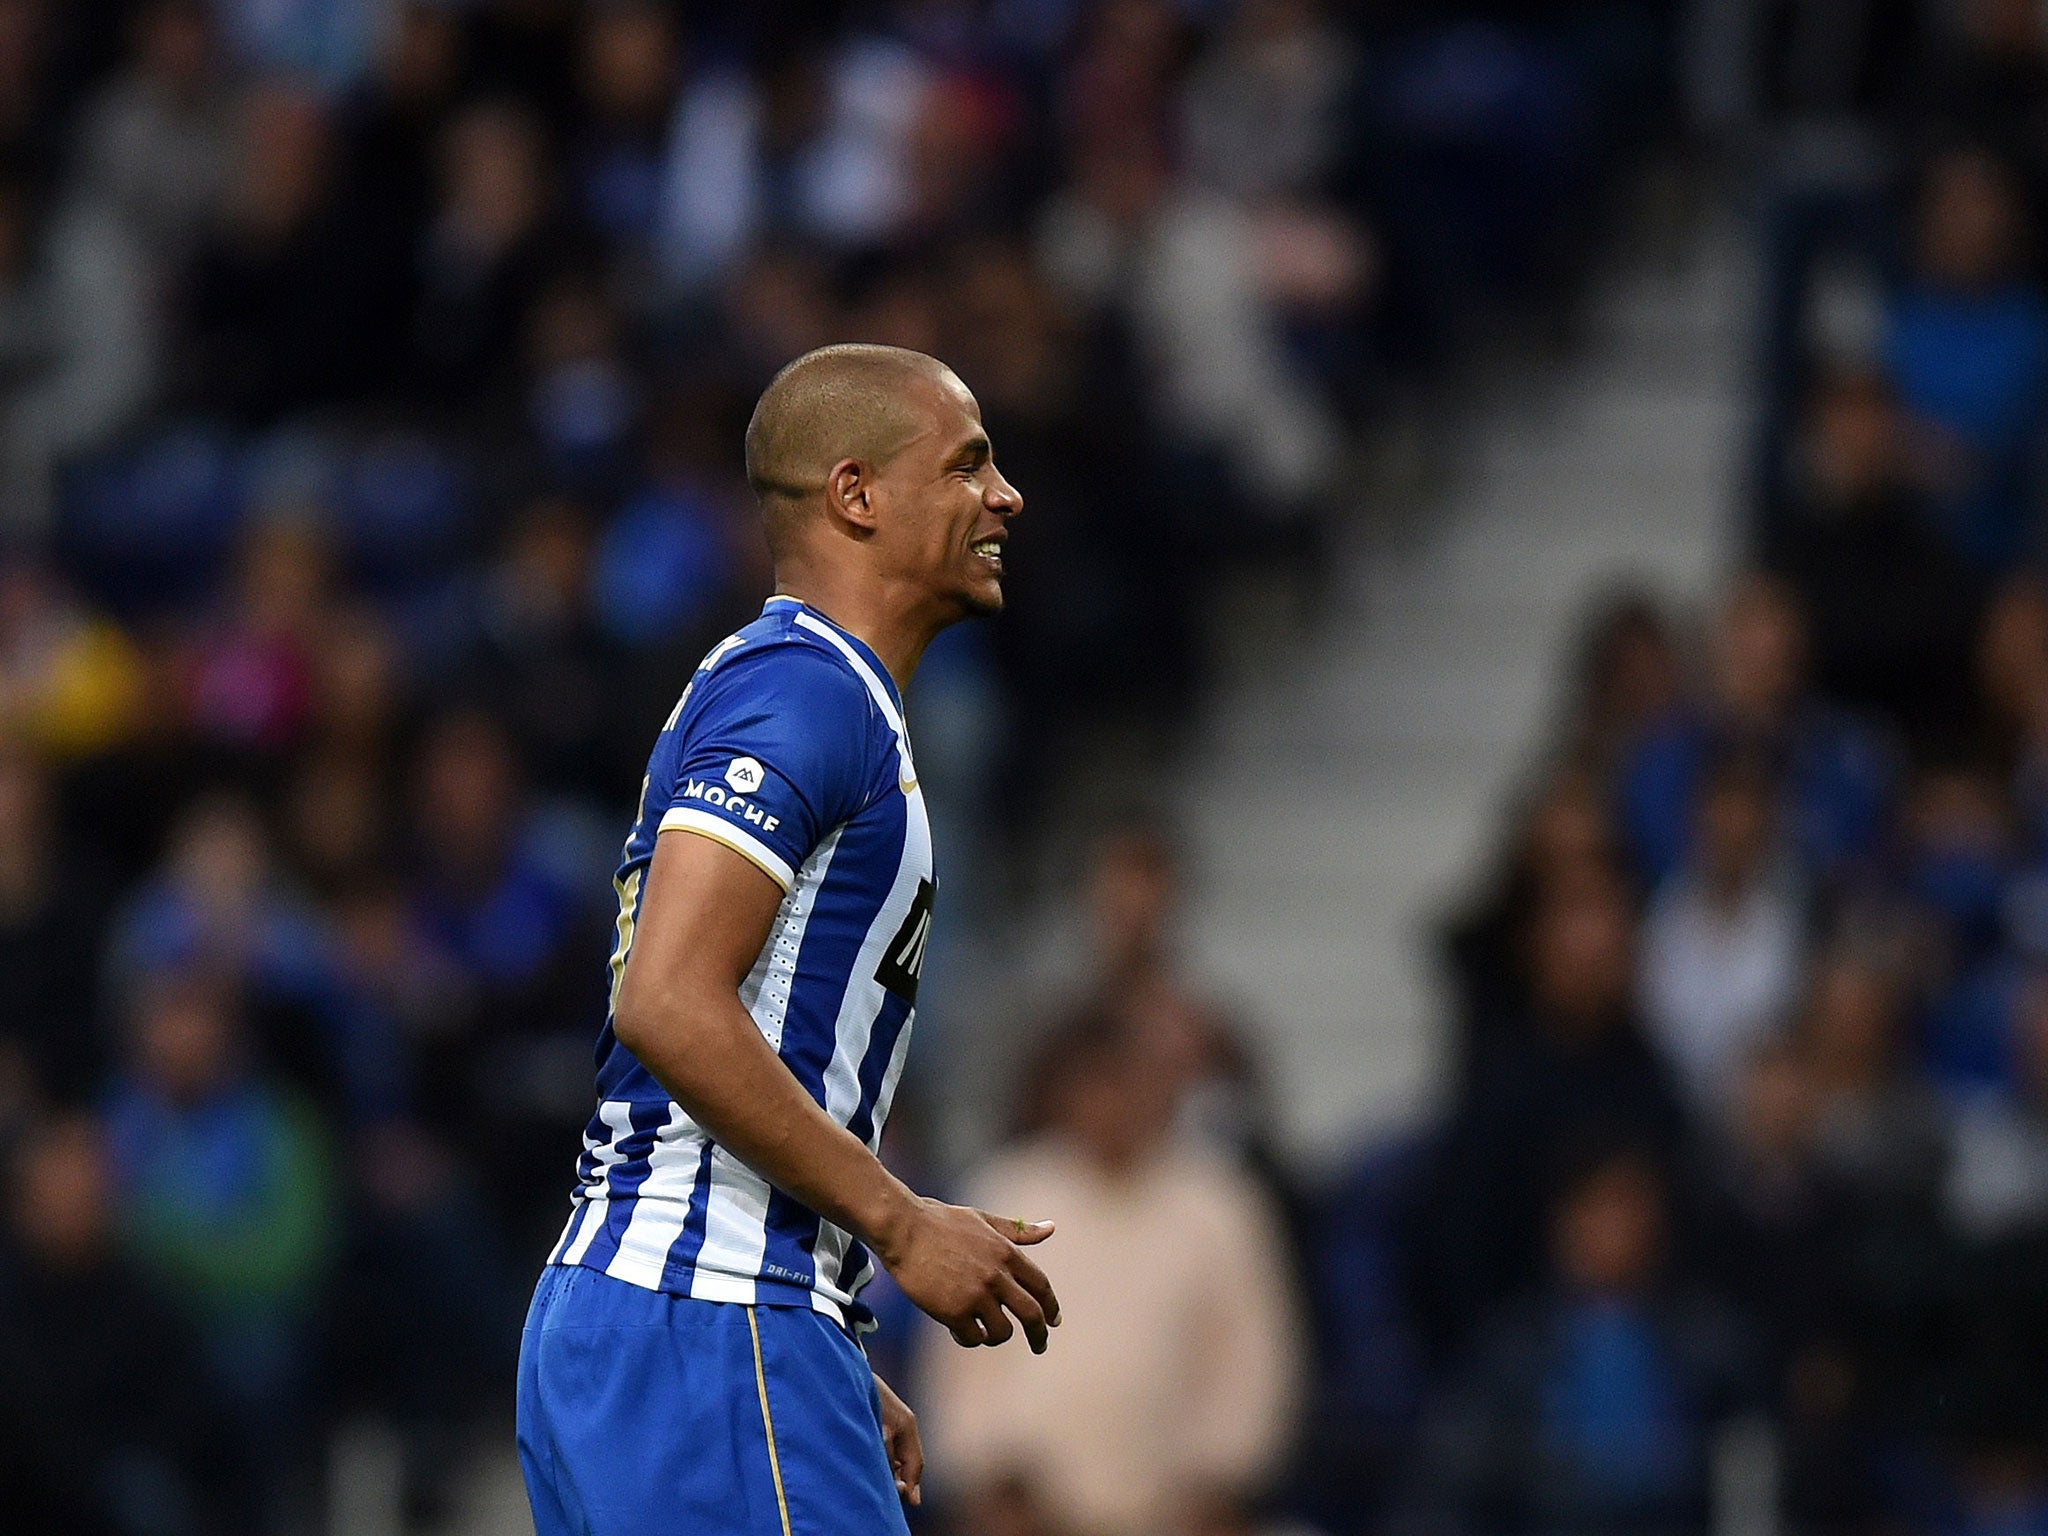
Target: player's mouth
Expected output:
[990,551]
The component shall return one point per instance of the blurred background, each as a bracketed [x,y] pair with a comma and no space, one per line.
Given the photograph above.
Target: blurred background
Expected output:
[1495,872]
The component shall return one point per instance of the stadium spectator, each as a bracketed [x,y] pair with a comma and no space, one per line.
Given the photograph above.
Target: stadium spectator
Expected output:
[1723,937]
[226,1194]
[219,901]
[627,68]
[1967,345]
[155,142]
[71,682]
[110,1424]
[1631,678]
[1891,604]
[495,913]
[53,904]
[490,244]
[1572,1070]
[1565,831]
[254,351]
[251,672]
[1997,1181]
[1178,1369]
[1593,1405]
[1837,772]
[79,343]
[1880,1130]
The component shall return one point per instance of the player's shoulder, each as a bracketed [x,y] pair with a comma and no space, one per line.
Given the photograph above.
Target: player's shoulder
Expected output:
[778,655]
[784,684]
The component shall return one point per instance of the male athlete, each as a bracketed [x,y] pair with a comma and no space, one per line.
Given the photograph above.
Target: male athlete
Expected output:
[689,1364]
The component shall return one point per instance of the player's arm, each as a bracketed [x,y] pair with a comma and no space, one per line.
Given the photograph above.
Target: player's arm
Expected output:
[704,918]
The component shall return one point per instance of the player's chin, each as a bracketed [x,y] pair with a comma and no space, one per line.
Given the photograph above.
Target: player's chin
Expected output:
[981,597]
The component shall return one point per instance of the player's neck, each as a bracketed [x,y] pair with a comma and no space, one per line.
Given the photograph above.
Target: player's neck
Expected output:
[896,636]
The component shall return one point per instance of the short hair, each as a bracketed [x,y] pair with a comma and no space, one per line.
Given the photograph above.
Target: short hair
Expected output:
[838,402]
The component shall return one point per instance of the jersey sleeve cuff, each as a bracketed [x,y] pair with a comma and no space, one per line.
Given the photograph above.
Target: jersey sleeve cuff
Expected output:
[687,818]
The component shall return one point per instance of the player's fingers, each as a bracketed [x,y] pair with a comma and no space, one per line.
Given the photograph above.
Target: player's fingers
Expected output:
[995,1322]
[1028,1312]
[1032,1278]
[1018,1230]
[910,1464]
[967,1332]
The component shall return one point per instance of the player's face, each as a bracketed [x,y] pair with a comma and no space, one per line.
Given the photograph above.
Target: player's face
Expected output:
[955,506]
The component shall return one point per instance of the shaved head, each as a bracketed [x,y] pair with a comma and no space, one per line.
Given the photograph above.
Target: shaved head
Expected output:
[853,401]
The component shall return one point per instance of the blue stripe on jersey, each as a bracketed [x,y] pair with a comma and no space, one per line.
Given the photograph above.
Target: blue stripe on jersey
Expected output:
[626,1177]
[788,747]
[682,1258]
[881,1049]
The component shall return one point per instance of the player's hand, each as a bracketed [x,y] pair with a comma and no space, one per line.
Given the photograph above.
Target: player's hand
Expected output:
[968,1270]
[899,1439]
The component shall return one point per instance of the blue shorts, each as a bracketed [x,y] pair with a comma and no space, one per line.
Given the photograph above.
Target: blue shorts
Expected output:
[642,1414]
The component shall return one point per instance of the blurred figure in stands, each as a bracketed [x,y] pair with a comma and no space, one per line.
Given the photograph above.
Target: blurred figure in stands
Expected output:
[1631,677]
[1566,829]
[250,672]
[155,143]
[219,900]
[53,909]
[225,1188]
[1179,1361]
[2010,662]
[1136,897]
[1997,1184]
[1573,1068]
[71,682]
[1723,940]
[488,249]
[1880,1128]
[254,350]
[1958,859]
[1771,1229]
[1837,773]
[1890,603]
[108,1418]
[1590,1406]
[1967,346]
[496,918]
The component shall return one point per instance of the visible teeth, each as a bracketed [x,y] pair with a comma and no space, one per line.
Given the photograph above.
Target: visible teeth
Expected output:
[990,548]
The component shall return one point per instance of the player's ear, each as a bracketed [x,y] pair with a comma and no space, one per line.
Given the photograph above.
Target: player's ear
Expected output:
[849,492]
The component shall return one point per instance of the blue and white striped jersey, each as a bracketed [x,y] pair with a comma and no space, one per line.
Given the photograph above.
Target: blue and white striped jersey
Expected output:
[788,746]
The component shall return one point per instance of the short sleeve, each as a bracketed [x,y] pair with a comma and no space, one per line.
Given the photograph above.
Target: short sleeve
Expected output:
[775,755]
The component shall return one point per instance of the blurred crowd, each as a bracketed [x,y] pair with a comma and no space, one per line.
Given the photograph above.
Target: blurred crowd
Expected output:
[372,376]
[372,381]
[1737,1214]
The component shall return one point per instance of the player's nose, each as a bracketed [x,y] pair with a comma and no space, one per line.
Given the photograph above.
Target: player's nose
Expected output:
[1003,498]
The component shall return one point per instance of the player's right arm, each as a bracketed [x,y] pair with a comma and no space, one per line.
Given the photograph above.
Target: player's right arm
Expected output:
[704,918]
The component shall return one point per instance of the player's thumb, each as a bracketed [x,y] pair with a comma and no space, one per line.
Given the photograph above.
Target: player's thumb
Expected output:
[1019,1231]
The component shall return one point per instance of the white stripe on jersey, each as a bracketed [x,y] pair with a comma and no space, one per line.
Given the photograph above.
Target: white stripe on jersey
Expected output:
[741,841]
[736,1208]
[661,1204]
[735,1231]
[617,1114]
